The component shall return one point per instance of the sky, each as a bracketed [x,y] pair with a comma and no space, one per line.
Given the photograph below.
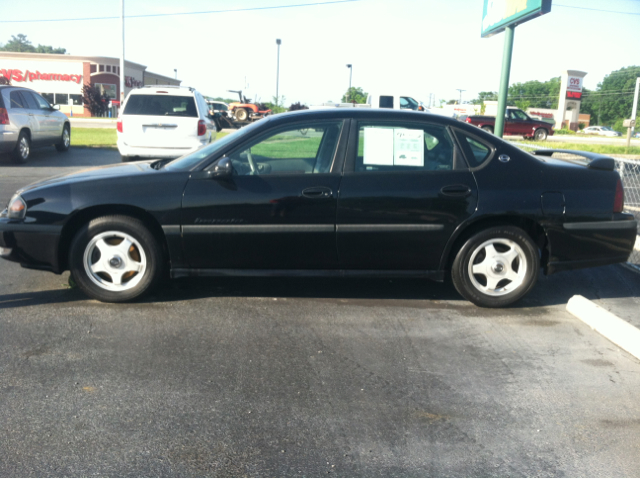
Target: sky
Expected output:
[415,48]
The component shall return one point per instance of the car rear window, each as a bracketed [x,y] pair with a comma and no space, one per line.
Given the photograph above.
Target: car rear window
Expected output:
[161,105]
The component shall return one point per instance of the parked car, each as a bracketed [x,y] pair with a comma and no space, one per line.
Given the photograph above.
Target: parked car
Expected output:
[163,122]
[600,130]
[516,123]
[27,121]
[217,106]
[362,192]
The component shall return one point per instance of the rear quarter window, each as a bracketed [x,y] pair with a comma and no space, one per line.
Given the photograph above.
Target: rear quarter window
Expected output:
[161,105]
[475,151]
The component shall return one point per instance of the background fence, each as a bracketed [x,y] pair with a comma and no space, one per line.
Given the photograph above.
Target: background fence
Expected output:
[629,171]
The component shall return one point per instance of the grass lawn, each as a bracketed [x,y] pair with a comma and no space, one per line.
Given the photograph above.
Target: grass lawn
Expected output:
[102,137]
[594,148]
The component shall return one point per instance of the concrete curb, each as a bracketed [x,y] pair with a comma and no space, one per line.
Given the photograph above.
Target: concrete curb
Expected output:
[616,330]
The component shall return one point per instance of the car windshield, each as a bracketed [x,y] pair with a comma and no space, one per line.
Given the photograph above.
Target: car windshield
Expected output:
[192,159]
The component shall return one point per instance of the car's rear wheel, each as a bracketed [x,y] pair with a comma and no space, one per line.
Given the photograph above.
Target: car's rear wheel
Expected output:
[496,266]
[488,128]
[65,139]
[115,258]
[125,158]
[540,134]
[241,114]
[22,150]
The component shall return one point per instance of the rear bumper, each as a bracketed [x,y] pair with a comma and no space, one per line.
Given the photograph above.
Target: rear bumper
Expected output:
[8,140]
[161,152]
[33,246]
[588,244]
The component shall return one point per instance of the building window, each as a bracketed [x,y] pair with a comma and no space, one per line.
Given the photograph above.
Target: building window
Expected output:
[101,68]
[109,68]
[62,98]
[77,99]
[93,68]
[48,97]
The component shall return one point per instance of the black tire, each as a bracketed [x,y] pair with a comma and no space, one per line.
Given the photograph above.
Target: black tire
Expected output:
[65,139]
[241,114]
[22,150]
[125,159]
[540,134]
[106,269]
[508,274]
[488,128]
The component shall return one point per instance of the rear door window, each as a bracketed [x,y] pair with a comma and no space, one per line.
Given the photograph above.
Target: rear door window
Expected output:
[386,101]
[17,101]
[161,105]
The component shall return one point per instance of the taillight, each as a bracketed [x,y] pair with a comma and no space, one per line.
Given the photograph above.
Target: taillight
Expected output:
[468,119]
[4,116]
[119,126]
[618,203]
[202,128]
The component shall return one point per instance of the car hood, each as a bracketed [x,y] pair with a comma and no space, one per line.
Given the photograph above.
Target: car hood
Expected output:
[101,172]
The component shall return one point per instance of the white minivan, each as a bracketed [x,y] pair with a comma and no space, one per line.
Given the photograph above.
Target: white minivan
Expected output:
[163,122]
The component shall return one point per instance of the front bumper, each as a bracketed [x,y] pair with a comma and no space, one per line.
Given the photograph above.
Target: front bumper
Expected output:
[31,245]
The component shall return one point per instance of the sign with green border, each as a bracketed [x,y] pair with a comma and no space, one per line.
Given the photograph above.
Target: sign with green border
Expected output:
[499,14]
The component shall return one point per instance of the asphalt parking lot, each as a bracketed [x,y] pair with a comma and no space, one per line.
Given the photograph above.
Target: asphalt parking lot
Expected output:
[309,377]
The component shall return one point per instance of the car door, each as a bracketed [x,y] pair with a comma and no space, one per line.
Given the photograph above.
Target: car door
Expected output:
[277,211]
[49,127]
[405,189]
[22,116]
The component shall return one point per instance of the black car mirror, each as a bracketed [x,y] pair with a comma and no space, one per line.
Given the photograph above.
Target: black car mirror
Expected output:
[223,169]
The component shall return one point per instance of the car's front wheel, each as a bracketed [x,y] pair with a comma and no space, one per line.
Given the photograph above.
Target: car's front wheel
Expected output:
[496,266]
[540,134]
[22,150]
[115,258]
[65,139]
[488,129]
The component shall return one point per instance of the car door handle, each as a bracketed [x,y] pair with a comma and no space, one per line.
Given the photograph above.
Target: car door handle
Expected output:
[317,192]
[456,190]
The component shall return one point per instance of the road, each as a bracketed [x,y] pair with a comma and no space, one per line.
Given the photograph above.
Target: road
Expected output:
[309,377]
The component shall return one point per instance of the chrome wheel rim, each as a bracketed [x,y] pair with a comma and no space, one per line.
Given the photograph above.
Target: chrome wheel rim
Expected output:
[115,261]
[24,148]
[497,267]
[66,138]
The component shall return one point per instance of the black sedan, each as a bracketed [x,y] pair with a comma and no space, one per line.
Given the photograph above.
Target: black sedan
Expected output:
[335,192]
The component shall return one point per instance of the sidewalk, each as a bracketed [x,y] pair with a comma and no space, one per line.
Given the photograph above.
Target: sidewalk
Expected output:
[93,122]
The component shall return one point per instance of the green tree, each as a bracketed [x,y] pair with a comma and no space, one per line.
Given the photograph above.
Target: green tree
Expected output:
[613,98]
[97,103]
[19,43]
[537,94]
[355,95]
[485,96]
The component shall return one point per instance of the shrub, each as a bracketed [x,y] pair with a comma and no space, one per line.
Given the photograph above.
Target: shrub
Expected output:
[565,131]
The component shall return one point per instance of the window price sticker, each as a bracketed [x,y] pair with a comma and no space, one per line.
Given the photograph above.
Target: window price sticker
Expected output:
[393,146]
[408,147]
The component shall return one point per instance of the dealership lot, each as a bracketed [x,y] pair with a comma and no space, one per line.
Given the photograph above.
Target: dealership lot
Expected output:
[313,377]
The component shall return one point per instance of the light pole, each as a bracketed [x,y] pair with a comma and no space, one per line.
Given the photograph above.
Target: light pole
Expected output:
[278,42]
[350,67]
[460,90]
[175,71]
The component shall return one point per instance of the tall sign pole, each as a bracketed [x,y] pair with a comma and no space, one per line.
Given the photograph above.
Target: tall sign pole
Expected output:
[122,55]
[503,16]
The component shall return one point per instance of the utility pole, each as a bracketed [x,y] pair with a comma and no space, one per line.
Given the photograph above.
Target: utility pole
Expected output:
[460,90]
[634,111]
[122,56]
[350,67]
[278,42]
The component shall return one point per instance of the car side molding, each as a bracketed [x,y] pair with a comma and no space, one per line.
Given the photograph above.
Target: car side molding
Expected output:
[311,273]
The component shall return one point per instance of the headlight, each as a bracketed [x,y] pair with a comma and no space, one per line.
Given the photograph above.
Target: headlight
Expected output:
[17,208]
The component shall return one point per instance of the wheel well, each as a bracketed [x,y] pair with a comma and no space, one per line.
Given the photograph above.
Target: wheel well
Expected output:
[84,216]
[531,227]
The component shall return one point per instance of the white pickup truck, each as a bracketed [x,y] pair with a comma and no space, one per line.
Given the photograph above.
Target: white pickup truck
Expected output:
[394,102]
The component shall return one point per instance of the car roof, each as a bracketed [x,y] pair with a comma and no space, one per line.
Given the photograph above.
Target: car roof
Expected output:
[154,90]
[365,113]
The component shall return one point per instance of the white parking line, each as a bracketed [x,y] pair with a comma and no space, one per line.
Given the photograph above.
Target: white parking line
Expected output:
[615,329]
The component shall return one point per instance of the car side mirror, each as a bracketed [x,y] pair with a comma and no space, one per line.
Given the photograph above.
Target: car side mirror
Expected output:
[56,107]
[223,169]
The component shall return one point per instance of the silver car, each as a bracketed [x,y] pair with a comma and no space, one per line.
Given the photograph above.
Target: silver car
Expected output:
[27,121]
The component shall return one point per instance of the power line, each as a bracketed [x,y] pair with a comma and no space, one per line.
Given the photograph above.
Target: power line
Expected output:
[181,13]
[594,9]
